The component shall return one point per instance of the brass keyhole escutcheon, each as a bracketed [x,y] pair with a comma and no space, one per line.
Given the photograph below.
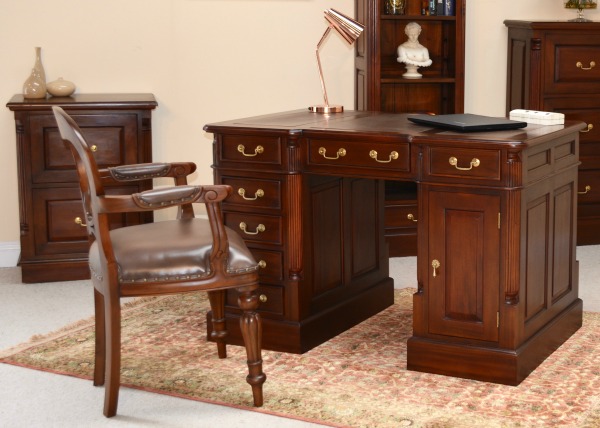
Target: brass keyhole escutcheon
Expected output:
[435,264]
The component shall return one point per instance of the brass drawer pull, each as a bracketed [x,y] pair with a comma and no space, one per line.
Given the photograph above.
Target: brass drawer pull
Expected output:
[262,264]
[587,189]
[454,162]
[263,298]
[258,150]
[260,228]
[94,148]
[580,65]
[340,153]
[393,156]
[80,222]
[412,218]
[258,194]
[589,128]
[435,264]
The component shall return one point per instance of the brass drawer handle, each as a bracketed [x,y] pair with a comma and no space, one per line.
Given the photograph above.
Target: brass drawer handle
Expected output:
[454,162]
[580,65]
[589,128]
[260,228]
[80,222]
[258,150]
[393,156]
[263,298]
[435,264]
[262,264]
[340,153]
[412,218]
[94,148]
[587,189]
[258,194]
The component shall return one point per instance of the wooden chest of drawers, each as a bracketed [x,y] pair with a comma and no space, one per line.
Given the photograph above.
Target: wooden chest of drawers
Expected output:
[555,66]
[54,245]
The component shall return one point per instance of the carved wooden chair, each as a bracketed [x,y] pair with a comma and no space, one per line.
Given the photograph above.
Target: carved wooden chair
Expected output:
[174,256]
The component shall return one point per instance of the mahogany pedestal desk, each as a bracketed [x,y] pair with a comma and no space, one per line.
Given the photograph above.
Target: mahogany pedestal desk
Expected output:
[497,276]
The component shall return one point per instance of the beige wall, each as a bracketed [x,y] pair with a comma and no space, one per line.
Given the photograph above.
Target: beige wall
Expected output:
[211,60]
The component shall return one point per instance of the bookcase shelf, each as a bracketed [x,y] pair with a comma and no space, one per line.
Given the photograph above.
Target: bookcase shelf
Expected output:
[380,86]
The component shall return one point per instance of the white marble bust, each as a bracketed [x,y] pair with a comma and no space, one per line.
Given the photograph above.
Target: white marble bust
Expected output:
[412,53]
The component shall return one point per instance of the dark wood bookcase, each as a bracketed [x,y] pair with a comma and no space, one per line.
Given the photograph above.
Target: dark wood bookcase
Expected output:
[380,87]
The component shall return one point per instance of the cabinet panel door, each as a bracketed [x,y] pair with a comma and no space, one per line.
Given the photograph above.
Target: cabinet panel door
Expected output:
[464,239]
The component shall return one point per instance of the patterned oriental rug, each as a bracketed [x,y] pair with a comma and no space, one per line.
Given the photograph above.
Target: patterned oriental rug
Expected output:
[357,379]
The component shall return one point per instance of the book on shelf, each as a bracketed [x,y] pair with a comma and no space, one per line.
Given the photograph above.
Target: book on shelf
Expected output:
[449,7]
[432,7]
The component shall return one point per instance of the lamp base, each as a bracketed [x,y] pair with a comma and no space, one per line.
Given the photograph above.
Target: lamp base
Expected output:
[326,109]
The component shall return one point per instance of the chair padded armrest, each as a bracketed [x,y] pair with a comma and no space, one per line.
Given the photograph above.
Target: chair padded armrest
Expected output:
[170,196]
[145,171]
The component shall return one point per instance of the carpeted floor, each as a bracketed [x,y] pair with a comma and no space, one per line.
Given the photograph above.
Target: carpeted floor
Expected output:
[356,379]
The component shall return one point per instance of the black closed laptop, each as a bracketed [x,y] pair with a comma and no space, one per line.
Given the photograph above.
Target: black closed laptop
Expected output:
[466,122]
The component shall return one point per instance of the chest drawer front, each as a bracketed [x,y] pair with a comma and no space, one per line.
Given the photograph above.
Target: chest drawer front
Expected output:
[463,163]
[255,228]
[113,137]
[253,193]
[395,156]
[588,188]
[263,150]
[574,63]
[585,109]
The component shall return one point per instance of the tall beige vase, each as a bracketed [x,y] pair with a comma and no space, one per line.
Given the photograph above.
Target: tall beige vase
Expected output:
[35,85]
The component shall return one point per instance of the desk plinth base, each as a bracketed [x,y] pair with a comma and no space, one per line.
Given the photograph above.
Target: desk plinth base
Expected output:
[297,338]
[504,366]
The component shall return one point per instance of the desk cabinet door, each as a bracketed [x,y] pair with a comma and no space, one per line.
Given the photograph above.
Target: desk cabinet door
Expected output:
[464,241]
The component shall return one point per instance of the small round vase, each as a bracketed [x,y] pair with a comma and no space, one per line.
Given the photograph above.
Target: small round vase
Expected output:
[60,88]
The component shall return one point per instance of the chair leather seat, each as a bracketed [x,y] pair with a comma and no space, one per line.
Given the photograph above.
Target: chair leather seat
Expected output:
[149,252]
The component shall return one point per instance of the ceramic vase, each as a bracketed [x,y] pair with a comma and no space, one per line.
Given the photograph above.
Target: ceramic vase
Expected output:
[35,85]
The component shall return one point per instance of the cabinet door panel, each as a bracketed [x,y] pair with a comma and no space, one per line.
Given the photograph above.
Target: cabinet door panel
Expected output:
[464,290]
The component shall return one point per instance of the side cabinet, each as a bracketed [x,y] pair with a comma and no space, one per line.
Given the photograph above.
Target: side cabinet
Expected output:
[497,276]
[555,66]
[54,245]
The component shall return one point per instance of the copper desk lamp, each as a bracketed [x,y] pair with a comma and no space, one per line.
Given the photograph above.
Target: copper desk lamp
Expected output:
[349,29]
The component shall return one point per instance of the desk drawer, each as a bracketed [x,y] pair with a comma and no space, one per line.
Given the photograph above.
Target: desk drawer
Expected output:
[345,154]
[271,299]
[576,60]
[271,264]
[253,193]
[474,164]
[254,227]
[261,150]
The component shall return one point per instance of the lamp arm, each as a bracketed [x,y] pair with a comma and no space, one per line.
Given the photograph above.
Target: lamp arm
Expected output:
[319,65]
